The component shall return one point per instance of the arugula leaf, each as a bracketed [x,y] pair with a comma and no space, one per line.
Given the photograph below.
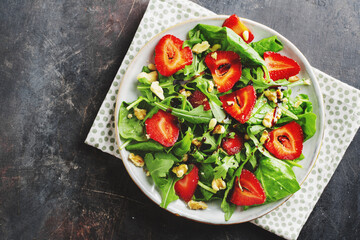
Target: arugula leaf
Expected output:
[146,146]
[277,178]
[130,128]
[228,162]
[272,44]
[218,113]
[209,141]
[183,146]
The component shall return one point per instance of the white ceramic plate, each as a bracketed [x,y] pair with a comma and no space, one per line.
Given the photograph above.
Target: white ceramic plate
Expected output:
[214,214]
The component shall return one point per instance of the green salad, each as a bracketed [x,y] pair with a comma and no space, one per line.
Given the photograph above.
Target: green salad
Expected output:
[217,120]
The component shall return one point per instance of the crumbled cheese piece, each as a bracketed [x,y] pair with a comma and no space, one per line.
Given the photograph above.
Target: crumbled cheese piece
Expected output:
[136,160]
[196,142]
[185,157]
[195,205]
[218,184]
[212,123]
[185,93]
[201,47]
[293,79]
[140,113]
[180,170]
[245,35]
[264,136]
[215,47]
[307,82]
[151,66]
[155,88]
[211,86]
[151,77]
[214,55]
[272,96]
[219,129]
[129,115]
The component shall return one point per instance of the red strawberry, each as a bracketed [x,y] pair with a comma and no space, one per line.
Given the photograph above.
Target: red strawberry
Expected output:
[252,191]
[163,128]
[234,23]
[239,104]
[225,68]
[280,66]
[197,98]
[170,56]
[286,142]
[186,186]
[233,145]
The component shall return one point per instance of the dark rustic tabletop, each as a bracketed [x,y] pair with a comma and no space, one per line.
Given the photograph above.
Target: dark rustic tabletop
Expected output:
[58,59]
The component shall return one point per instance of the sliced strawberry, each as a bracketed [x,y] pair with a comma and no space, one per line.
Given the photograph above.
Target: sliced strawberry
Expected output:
[252,191]
[197,98]
[163,128]
[239,104]
[286,142]
[186,186]
[280,66]
[234,23]
[233,145]
[225,68]
[170,56]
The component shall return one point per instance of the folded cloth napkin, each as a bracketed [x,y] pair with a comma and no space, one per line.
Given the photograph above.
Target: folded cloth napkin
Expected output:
[341,123]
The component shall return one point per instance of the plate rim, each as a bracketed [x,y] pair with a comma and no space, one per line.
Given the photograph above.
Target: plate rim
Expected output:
[309,70]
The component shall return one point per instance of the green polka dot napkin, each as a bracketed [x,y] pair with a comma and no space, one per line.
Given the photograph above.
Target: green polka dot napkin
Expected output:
[342,120]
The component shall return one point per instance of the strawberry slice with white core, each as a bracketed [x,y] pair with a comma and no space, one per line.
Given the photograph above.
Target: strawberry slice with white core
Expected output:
[279,66]
[225,68]
[239,104]
[251,191]
[163,128]
[234,23]
[170,56]
[286,142]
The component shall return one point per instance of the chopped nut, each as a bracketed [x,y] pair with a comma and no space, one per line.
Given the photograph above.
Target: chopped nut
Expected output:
[136,160]
[297,104]
[212,123]
[151,77]
[211,86]
[180,170]
[195,205]
[307,82]
[219,129]
[185,157]
[129,115]
[279,94]
[272,96]
[269,117]
[147,173]
[214,55]
[229,103]
[140,113]
[185,93]
[200,47]
[246,136]
[151,66]
[215,47]
[155,88]
[264,136]
[218,184]
[293,79]
[196,142]
[245,35]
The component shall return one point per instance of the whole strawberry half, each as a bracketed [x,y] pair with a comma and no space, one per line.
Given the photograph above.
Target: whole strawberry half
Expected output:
[163,128]
[170,56]
[225,68]
[239,104]
[234,23]
[286,142]
[233,145]
[280,66]
[251,193]
[186,186]
[197,98]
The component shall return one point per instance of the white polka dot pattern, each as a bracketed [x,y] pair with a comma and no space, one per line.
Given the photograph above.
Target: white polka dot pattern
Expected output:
[342,120]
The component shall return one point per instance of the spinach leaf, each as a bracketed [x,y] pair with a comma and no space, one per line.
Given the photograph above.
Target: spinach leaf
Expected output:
[229,41]
[277,178]
[130,128]
[183,146]
[206,176]
[218,113]
[272,44]
[260,109]
[146,146]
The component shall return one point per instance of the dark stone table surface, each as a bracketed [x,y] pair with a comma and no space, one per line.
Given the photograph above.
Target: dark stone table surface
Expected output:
[57,61]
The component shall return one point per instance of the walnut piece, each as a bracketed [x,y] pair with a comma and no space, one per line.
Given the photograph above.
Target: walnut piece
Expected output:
[136,160]
[195,205]
[218,184]
[219,129]
[201,47]
[180,170]
[140,113]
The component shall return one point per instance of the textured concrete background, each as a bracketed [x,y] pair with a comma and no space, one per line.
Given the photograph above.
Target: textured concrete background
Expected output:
[58,59]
